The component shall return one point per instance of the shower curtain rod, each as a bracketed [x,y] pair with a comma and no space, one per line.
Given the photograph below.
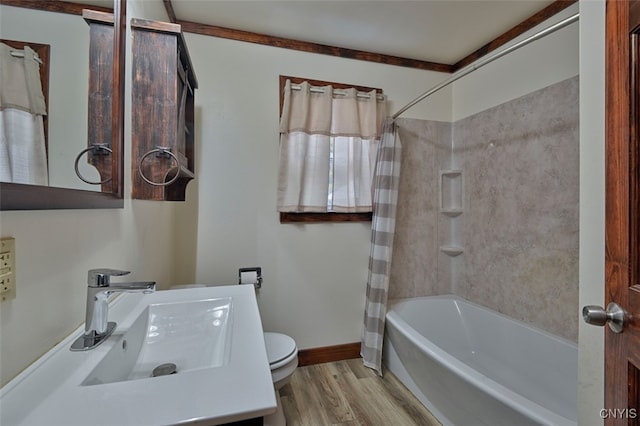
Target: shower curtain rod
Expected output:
[469,69]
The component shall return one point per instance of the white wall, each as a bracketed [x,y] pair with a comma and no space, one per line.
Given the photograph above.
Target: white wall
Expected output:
[314,275]
[540,64]
[54,250]
[592,202]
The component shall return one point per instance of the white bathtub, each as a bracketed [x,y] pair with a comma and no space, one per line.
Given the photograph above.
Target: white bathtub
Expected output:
[472,366]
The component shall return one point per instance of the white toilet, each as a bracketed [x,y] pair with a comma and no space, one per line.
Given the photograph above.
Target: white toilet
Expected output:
[282,353]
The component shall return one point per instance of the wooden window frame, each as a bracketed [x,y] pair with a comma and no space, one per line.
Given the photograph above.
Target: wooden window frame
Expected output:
[305,217]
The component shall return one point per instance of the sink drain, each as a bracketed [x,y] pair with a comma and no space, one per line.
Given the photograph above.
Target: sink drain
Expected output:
[164,370]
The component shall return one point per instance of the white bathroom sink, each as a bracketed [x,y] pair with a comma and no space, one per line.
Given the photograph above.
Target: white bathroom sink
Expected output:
[179,336]
[213,336]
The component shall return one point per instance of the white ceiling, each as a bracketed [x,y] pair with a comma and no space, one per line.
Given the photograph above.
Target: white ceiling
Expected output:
[443,31]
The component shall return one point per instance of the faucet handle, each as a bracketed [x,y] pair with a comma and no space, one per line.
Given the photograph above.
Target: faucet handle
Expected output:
[100,277]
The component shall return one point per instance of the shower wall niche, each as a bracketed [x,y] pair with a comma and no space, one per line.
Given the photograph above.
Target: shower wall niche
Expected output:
[451,190]
[451,196]
[488,209]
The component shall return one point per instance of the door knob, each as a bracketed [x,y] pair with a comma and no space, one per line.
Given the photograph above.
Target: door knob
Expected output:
[596,315]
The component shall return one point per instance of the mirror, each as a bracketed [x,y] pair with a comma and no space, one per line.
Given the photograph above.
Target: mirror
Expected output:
[65,190]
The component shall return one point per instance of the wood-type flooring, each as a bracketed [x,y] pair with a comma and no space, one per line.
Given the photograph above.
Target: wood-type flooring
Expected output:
[347,393]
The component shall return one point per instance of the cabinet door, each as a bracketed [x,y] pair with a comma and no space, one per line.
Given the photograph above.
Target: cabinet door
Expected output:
[162,112]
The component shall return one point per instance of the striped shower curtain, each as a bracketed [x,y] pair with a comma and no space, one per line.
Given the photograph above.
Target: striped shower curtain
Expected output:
[385,197]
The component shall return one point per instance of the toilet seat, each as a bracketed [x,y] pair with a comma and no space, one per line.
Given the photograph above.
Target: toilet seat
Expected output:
[281,349]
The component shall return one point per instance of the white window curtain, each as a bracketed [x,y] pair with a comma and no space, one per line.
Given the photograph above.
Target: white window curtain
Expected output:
[328,143]
[23,157]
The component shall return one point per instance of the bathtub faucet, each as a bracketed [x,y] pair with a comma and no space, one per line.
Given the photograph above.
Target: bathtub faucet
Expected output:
[96,327]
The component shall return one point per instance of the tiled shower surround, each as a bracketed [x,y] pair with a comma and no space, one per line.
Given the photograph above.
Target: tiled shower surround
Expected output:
[519,225]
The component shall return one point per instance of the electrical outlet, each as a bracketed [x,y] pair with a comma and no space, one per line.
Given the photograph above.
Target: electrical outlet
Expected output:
[7,269]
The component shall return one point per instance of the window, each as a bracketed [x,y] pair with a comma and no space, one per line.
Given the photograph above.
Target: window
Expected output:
[329,134]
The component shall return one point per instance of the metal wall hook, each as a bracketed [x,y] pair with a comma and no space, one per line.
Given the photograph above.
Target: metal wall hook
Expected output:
[97,149]
[162,152]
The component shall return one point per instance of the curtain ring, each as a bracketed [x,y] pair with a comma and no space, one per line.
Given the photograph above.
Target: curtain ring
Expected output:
[162,152]
[99,148]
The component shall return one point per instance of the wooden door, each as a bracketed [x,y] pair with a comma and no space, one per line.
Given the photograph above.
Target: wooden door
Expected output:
[622,271]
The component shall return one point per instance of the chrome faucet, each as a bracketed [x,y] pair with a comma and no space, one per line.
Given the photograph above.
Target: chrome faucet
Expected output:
[96,327]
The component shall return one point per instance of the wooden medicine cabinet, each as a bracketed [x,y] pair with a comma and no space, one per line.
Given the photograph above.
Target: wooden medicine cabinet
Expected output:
[163,119]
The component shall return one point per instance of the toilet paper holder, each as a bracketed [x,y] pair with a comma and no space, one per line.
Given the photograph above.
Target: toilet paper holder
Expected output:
[250,276]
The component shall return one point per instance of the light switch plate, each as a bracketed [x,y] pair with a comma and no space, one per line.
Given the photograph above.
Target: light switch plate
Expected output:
[7,269]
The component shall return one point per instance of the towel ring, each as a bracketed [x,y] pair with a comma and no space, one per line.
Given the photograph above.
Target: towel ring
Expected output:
[100,149]
[161,152]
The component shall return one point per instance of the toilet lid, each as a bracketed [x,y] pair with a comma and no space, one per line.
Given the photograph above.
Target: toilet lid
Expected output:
[279,346]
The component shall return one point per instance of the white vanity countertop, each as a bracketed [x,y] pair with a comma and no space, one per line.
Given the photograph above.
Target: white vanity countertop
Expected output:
[50,393]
